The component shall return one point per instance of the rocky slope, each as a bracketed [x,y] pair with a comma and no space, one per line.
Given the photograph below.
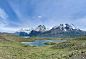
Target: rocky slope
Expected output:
[65,27]
[23,32]
[41,28]
[61,30]
[30,32]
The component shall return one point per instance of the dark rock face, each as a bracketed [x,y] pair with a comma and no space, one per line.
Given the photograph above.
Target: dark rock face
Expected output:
[21,34]
[30,32]
[62,30]
[33,33]
[58,31]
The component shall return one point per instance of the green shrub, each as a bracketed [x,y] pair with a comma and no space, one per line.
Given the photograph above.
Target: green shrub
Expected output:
[49,43]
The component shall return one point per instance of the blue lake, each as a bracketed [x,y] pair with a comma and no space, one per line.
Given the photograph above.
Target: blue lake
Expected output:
[41,42]
[25,36]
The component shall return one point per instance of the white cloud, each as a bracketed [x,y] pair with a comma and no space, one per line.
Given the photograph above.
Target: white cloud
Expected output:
[4,27]
[3,15]
[39,16]
[8,29]
[33,17]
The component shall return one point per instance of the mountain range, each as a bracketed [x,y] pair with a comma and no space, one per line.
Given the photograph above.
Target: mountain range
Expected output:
[58,31]
[26,31]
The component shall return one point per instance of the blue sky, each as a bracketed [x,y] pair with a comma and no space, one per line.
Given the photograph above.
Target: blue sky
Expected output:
[17,14]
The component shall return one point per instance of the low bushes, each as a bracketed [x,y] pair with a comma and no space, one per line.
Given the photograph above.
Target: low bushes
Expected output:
[63,45]
[49,43]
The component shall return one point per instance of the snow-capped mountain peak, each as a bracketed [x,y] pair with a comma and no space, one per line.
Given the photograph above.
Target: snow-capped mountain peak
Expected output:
[71,26]
[26,30]
[60,26]
[65,27]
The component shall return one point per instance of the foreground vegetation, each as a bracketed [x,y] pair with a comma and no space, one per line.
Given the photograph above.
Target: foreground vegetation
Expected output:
[12,48]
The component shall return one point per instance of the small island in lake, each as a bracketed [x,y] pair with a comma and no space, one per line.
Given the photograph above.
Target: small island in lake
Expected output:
[49,43]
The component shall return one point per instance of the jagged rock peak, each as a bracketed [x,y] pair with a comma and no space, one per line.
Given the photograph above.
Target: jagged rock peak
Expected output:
[40,28]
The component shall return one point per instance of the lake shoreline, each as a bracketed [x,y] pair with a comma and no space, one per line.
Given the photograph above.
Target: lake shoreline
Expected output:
[41,42]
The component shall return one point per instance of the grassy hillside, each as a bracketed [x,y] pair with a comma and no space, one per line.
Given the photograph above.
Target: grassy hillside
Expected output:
[12,48]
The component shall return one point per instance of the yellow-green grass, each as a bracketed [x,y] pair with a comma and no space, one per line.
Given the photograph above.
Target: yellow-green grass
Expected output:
[11,47]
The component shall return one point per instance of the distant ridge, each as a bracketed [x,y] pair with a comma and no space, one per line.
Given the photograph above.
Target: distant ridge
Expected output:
[26,31]
[61,30]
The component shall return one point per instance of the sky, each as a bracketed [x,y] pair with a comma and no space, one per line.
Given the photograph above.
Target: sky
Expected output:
[17,14]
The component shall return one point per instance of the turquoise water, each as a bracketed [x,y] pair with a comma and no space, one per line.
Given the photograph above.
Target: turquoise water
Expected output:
[25,36]
[35,37]
[41,42]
